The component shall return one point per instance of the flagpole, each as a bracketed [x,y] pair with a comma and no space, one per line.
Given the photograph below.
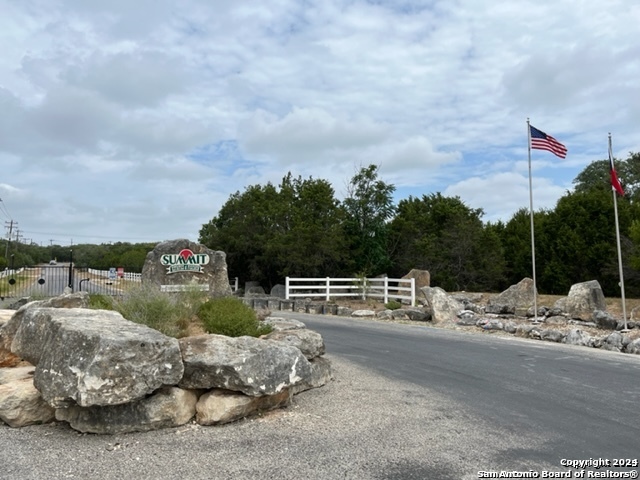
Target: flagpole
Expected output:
[615,209]
[533,243]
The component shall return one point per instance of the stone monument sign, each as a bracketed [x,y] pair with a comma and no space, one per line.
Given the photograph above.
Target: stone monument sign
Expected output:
[177,265]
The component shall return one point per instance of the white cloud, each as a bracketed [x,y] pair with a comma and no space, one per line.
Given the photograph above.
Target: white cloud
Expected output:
[110,112]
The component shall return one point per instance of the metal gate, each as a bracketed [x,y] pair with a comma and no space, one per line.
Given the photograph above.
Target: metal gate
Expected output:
[52,280]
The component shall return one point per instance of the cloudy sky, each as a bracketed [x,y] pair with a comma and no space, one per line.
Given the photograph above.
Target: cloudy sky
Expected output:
[136,120]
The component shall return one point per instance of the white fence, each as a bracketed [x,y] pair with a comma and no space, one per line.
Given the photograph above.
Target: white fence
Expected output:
[7,272]
[137,277]
[383,288]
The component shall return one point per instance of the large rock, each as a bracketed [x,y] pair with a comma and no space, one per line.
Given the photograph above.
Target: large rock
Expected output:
[444,308]
[518,296]
[168,407]
[95,357]
[280,324]
[70,300]
[411,313]
[583,299]
[245,364]
[22,405]
[174,264]
[577,337]
[8,375]
[224,406]
[633,346]
[5,316]
[279,291]
[604,319]
[422,278]
[310,343]
[321,374]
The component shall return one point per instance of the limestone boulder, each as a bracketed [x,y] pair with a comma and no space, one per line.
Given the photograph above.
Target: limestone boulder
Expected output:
[310,343]
[633,347]
[576,336]
[5,316]
[223,406]
[176,263]
[8,375]
[604,319]
[444,308]
[69,300]
[490,324]
[245,364]
[613,342]
[8,359]
[583,299]
[422,278]
[516,297]
[95,357]
[411,313]
[467,318]
[363,313]
[279,291]
[321,374]
[551,335]
[168,407]
[21,404]
[280,324]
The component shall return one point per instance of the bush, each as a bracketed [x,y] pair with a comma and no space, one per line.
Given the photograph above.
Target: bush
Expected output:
[231,317]
[392,305]
[100,302]
[146,305]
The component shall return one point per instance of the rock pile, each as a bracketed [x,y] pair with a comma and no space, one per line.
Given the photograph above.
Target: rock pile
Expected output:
[104,374]
[579,318]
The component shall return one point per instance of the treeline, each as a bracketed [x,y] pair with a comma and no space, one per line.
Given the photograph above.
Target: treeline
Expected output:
[300,229]
[101,257]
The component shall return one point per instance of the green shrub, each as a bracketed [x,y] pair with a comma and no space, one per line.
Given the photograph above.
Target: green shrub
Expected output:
[231,317]
[100,302]
[392,305]
[145,304]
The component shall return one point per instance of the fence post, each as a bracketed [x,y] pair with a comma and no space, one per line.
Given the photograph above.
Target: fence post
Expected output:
[71,270]
[413,292]
[286,288]
[328,288]
[386,289]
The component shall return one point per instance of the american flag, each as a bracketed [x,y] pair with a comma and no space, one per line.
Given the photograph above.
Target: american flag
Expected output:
[542,141]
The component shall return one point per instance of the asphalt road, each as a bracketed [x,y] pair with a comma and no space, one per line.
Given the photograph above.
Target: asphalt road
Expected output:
[587,400]
[406,402]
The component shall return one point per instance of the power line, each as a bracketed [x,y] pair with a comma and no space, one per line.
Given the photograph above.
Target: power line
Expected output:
[66,234]
[4,210]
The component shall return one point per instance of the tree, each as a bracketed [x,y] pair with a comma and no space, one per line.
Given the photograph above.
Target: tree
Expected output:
[269,233]
[312,242]
[443,235]
[578,241]
[597,176]
[242,228]
[369,206]
[515,238]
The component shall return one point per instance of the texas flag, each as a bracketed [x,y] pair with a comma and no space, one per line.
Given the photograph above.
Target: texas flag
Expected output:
[615,183]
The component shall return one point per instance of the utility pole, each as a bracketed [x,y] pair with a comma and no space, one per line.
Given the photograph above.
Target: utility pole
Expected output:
[9,225]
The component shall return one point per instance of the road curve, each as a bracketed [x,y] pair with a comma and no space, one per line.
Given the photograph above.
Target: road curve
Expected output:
[585,399]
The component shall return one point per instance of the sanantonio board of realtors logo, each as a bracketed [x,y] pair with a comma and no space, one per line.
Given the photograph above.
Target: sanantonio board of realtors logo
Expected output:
[185,261]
